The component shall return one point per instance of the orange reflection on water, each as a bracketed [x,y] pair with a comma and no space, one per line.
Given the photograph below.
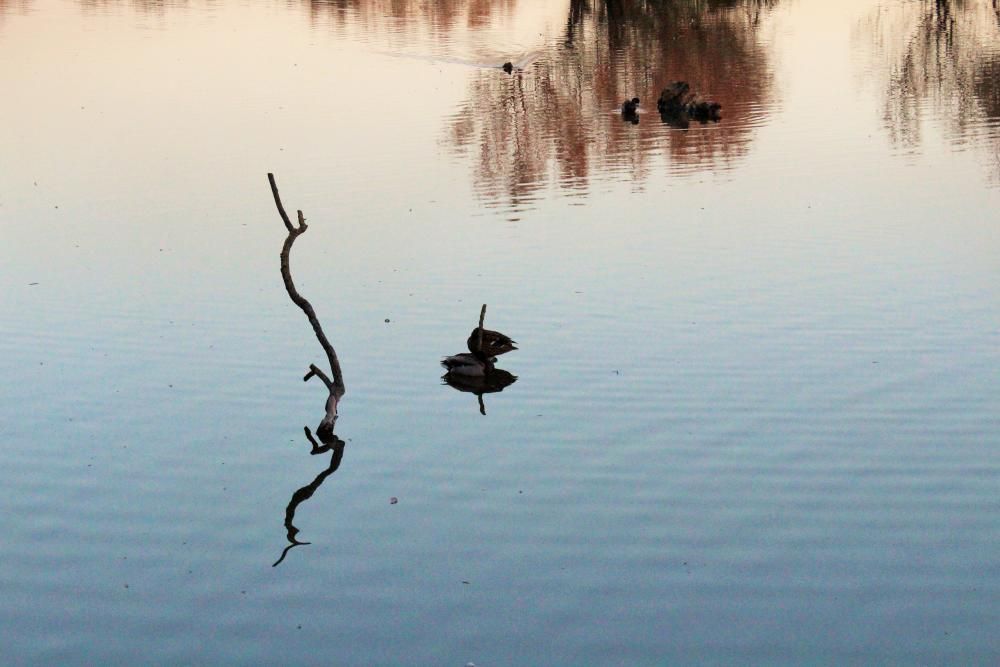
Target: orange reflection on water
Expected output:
[555,120]
[444,15]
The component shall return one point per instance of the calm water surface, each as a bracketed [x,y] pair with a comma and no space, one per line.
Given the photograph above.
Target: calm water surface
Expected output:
[756,410]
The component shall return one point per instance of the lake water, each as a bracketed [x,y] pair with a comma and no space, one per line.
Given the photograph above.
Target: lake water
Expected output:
[757,409]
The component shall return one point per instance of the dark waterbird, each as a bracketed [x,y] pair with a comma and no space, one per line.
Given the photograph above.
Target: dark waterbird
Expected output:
[484,347]
[473,371]
[479,360]
[677,103]
[489,343]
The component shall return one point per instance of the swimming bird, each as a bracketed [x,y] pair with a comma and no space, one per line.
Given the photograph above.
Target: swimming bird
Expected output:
[467,364]
[484,346]
[629,107]
[479,362]
[493,343]
[508,67]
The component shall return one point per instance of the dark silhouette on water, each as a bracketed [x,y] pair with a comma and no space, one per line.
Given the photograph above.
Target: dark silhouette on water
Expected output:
[630,110]
[490,383]
[331,443]
[678,104]
[484,347]
[335,386]
[485,343]
[474,371]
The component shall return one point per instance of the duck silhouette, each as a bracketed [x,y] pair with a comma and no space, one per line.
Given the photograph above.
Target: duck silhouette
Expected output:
[485,345]
[490,343]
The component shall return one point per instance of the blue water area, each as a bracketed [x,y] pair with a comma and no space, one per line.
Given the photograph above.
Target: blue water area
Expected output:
[754,409]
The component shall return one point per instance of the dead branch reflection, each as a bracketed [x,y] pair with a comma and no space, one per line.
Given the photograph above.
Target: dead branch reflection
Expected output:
[330,443]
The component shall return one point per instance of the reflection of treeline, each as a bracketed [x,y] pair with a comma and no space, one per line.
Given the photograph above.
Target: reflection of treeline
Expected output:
[941,53]
[552,120]
[438,15]
[156,7]
[555,120]
[13,6]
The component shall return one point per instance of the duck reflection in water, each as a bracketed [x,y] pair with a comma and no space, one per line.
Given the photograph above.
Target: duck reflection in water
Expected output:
[493,381]
[474,371]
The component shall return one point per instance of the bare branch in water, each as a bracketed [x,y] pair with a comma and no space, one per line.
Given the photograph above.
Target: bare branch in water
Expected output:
[281,208]
[336,385]
[482,316]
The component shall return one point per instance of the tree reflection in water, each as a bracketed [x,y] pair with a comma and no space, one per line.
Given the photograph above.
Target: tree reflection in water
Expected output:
[440,16]
[560,121]
[557,120]
[11,7]
[941,56]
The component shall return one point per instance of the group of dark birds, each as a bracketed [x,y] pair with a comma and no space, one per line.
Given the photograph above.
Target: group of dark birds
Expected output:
[474,371]
[677,105]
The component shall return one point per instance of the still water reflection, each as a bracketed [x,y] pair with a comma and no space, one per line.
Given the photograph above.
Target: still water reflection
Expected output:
[496,381]
[939,63]
[553,122]
[755,411]
[558,117]
[330,443]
